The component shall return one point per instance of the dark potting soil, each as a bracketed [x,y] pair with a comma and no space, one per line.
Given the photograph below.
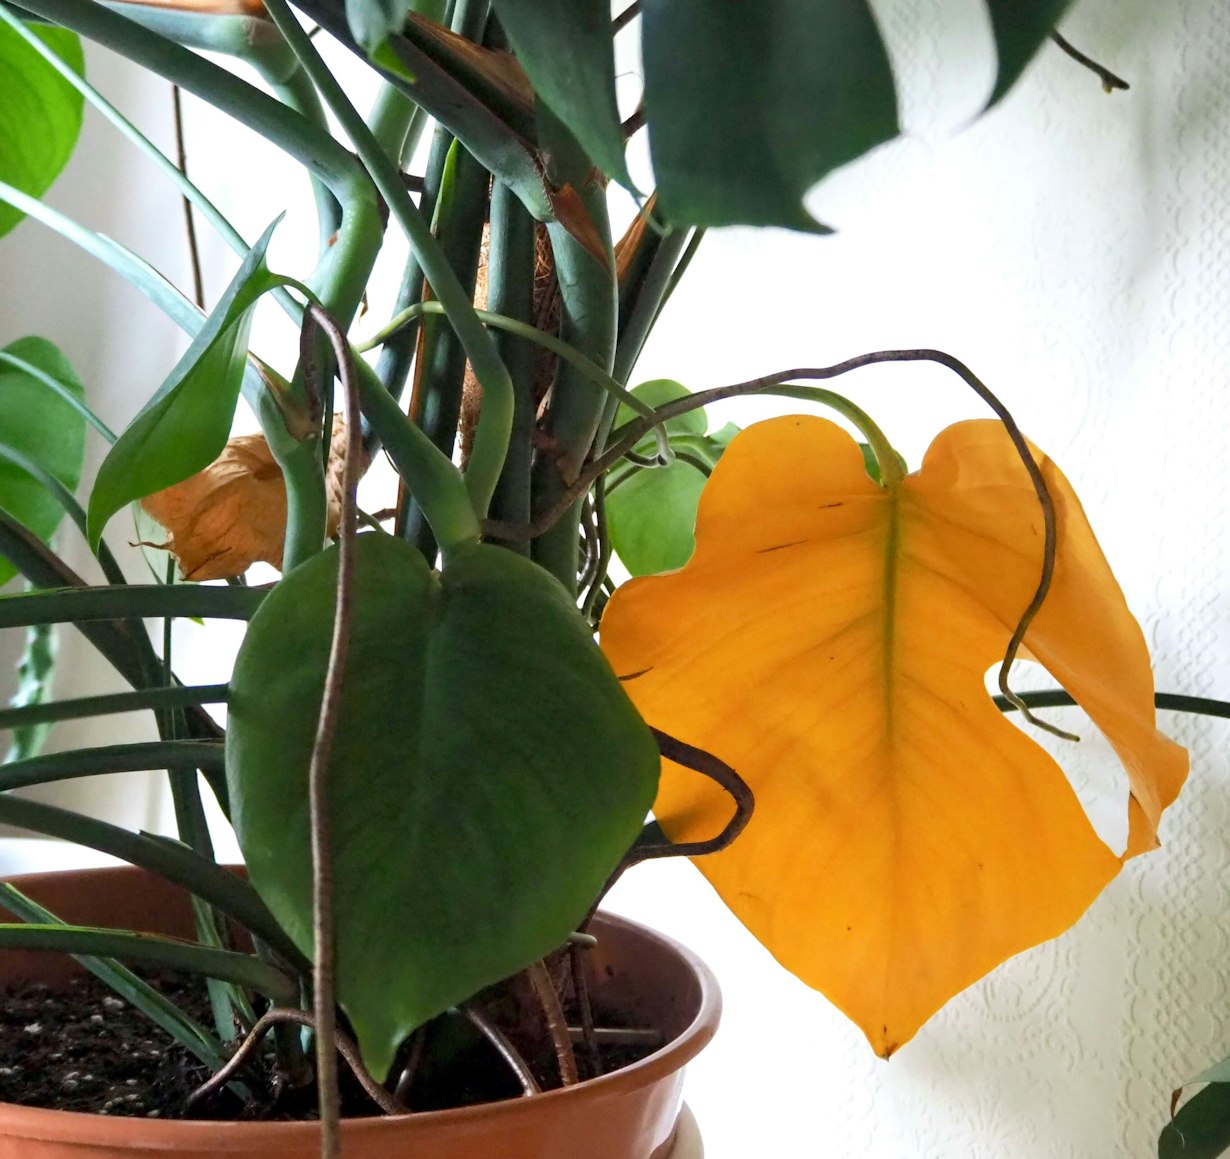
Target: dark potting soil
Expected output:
[83,1048]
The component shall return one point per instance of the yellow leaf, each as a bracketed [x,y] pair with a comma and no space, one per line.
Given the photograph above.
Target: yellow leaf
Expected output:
[829,639]
[223,519]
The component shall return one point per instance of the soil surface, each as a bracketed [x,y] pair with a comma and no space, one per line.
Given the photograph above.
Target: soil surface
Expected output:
[86,1049]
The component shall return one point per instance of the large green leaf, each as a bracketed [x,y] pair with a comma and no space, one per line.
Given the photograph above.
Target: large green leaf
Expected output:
[40,113]
[749,105]
[1020,27]
[40,426]
[487,775]
[184,427]
[566,48]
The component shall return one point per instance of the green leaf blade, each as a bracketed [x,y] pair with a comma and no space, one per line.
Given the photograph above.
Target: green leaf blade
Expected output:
[40,113]
[652,518]
[1020,29]
[488,773]
[184,427]
[43,428]
[749,105]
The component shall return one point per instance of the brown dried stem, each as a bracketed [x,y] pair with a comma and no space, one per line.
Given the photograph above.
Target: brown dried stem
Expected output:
[509,1053]
[322,877]
[1109,80]
[557,1024]
[346,1048]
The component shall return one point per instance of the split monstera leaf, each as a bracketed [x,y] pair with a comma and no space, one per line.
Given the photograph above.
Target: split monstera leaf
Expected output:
[829,639]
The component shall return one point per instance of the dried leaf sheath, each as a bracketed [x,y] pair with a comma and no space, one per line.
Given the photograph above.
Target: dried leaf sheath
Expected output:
[829,639]
[231,515]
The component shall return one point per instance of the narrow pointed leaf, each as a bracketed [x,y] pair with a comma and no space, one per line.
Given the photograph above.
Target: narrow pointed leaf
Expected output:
[487,775]
[749,105]
[567,49]
[152,1003]
[185,425]
[1020,27]
[40,113]
[829,639]
[42,427]
[172,953]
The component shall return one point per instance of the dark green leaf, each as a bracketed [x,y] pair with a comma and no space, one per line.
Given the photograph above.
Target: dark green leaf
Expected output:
[749,105]
[42,427]
[1021,27]
[566,48]
[40,113]
[651,517]
[34,671]
[1201,1129]
[184,427]
[487,775]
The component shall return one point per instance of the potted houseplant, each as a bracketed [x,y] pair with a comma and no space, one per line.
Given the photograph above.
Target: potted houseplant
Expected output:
[432,771]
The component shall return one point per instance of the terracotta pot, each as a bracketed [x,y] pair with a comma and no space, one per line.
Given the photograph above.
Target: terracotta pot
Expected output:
[630,1114]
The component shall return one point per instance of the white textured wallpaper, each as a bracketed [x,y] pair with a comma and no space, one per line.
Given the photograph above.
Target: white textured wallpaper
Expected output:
[1072,248]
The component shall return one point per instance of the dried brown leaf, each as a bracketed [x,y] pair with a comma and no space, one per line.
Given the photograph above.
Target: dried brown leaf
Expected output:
[233,513]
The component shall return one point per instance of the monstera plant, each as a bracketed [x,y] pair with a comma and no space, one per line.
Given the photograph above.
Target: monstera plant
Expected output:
[432,768]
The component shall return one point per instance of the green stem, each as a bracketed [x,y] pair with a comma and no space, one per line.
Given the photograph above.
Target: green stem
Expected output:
[585,366]
[431,477]
[589,296]
[888,461]
[440,369]
[510,294]
[129,602]
[491,438]
[111,704]
[141,757]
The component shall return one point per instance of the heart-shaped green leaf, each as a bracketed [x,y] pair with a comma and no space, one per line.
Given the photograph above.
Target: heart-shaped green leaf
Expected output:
[651,517]
[487,775]
[40,113]
[750,105]
[38,425]
[184,427]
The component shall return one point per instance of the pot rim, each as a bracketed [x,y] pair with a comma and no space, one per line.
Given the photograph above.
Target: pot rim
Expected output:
[46,1125]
